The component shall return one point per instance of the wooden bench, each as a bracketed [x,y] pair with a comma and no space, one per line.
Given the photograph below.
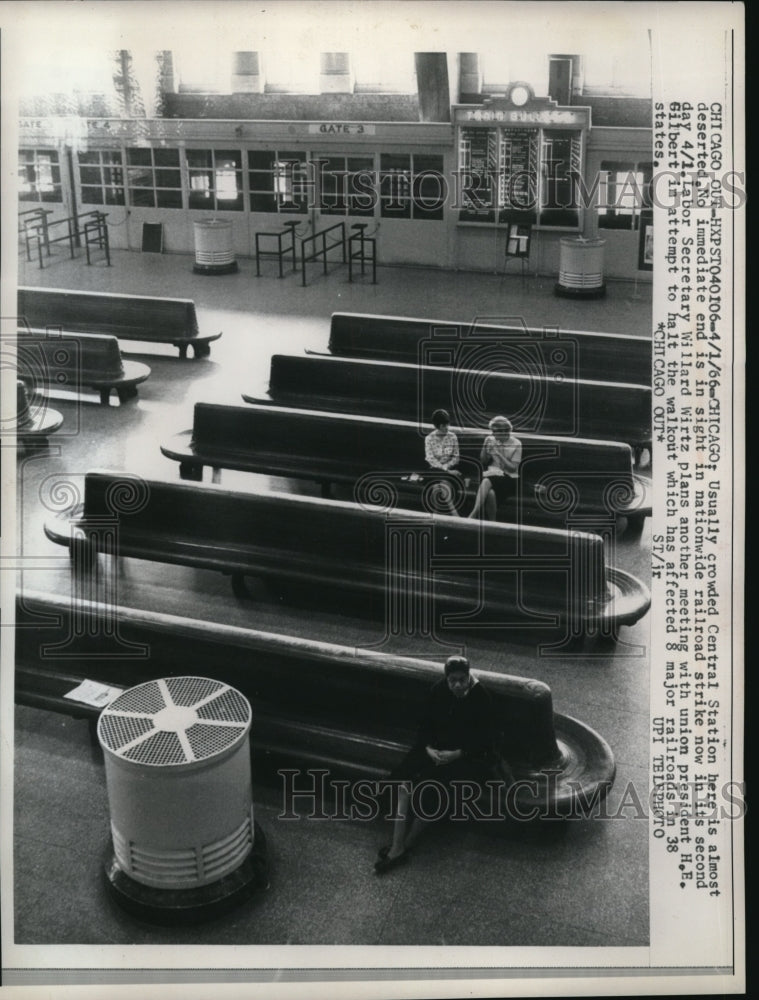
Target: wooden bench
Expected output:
[538,404]
[314,704]
[560,477]
[127,317]
[608,357]
[484,574]
[76,361]
[35,420]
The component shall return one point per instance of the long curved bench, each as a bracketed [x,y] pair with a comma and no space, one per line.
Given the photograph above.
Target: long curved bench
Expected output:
[76,361]
[127,317]
[469,574]
[536,403]
[609,357]
[560,477]
[315,704]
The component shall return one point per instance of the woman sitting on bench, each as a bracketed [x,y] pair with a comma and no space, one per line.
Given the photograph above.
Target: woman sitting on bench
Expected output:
[441,451]
[456,743]
[441,446]
[501,456]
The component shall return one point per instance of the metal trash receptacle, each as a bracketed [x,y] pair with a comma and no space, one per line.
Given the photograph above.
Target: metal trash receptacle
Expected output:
[581,268]
[177,765]
[214,253]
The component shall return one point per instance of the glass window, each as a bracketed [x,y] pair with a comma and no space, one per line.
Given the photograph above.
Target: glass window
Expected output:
[142,198]
[395,186]
[333,186]
[215,179]
[168,179]
[168,199]
[140,178]
[166,157]
[39,175]
[360,178]
[198,159]
[102,178]
[560,156]
[280,181]
[92,195]
[429,187]
[139,157]
[346,185]
[149,185]
[624,191]
[90,175]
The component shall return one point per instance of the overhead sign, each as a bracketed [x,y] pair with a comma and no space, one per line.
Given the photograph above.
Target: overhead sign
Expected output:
[340,128]
[520,107]
[523,117]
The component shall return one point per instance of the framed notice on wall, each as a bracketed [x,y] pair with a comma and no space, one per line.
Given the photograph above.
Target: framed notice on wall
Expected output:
[152,237]
[518,240]
[646,241]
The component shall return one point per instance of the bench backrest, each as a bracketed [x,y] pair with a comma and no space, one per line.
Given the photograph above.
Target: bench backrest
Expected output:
[23,416]
[142,317]
[363,445]
[610,357]
[374,693]
[540,404]
[68,360]
[347,544]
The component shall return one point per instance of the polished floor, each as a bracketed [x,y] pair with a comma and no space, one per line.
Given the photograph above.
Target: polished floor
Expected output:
[584,884]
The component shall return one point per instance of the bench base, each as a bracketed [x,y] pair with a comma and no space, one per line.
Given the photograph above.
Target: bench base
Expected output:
[188,906]
[564,292]
[35,433]
[200,348]
[215,268]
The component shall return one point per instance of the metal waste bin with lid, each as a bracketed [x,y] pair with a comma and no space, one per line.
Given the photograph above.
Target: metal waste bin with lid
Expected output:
[177,765]
[581,268]
[214,253]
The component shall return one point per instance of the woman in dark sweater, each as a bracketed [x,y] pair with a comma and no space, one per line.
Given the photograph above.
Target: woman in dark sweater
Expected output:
[455,743]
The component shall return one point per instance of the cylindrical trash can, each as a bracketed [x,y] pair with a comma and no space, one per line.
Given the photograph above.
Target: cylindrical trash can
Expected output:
[581,268]
[177,767]
[213,247]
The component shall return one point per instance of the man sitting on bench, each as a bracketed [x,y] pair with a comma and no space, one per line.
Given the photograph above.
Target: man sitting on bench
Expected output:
[500,456]
[456,743]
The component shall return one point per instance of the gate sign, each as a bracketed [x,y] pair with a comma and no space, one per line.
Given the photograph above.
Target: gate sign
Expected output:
[340,128]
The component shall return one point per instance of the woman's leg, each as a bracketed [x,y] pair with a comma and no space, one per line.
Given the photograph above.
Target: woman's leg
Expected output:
[446,493]
[483,492]
[491,505]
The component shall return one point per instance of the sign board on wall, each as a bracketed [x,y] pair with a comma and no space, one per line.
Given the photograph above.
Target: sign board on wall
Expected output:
[340,128]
